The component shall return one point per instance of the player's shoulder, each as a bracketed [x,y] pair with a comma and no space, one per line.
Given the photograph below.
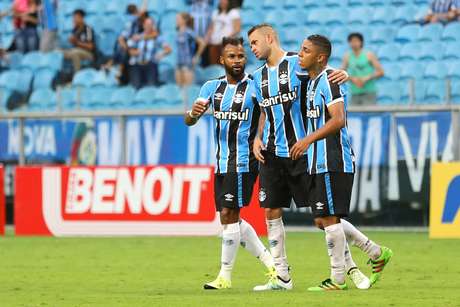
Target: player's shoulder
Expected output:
[213,83]
[258,72]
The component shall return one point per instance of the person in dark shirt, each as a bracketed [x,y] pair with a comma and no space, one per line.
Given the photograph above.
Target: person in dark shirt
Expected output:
[82,39]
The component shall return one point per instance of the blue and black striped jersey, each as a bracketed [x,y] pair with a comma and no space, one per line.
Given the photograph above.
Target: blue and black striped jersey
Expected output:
[278,90]
[334,153]
[236,115]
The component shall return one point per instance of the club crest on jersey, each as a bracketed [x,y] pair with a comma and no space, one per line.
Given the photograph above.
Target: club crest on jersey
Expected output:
[281,98]
[218,96]
[264,83]
[238,98]
[283,78]
[315,113]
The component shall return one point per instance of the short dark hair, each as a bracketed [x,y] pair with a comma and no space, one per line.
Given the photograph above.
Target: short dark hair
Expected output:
[79,12]
[259,26]
[356,35]
[235,41]
[131,9]
[322,42]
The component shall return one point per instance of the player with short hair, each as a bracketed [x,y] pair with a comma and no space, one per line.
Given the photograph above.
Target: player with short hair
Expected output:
[331,164]
[236,114]
[282,124]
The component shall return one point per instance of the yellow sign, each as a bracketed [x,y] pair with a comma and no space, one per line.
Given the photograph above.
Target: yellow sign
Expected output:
[445,200]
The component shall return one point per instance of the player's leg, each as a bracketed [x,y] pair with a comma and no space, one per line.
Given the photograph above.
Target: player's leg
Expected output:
[379,255]
[274,196]
[225,191]
[354,273]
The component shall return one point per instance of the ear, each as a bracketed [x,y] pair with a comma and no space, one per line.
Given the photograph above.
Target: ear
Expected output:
[221,60]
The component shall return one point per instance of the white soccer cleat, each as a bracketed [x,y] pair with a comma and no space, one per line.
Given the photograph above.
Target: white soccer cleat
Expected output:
[274,283]
[359,279]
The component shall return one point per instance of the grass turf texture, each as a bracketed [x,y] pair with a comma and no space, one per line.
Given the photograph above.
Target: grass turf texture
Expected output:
[171,272]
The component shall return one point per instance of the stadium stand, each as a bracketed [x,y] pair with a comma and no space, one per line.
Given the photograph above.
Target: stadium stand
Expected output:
[407,50]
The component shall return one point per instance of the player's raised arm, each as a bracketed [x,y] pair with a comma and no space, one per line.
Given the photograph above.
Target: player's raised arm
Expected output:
[198,109]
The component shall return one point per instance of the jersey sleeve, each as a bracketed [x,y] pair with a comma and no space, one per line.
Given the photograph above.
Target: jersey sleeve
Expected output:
[206,91]
[333,93]
[256,90]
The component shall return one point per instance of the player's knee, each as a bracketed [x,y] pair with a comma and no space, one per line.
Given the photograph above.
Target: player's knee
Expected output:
[229,216]
[272,214]
[319,223]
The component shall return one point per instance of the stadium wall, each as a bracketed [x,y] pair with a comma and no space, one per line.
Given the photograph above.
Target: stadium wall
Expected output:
[394,149]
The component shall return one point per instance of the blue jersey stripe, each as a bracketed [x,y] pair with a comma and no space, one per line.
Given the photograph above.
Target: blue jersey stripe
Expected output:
[240,190]
[330,201]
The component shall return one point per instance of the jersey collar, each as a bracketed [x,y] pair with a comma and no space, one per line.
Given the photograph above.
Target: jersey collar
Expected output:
[246,77]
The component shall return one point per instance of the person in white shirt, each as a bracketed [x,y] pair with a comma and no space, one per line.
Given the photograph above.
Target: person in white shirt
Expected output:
[225,22]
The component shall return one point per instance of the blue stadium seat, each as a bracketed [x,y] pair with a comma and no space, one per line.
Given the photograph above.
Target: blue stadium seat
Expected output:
[174,6]
[359,16]
[112,24]
[289,4]
[317,17]
[382,35]
[338,35]
[192,92]
[44,78]
[451,51]
[253,5]
[392,71]
[407,33]
[94,8]
[381,15]
[112,8]
[169,94]
[42,99]
[291,37]
[292,18]
[52,60]
[454,71]
[336,17]
[431,51]
[275,18]
[67,98]
[388,93]
[451,32]
[338,52]
[356,3]
[404,14]
[145,96]
[31,60]
[14,59]
[99,98]
[430,33]
[250,18]
[8,79]
[435,92]
[410,52]
[377,3]
[388,53]
[5,94]
[411,70]
[84,77]
[272,4]
[122,97]
[107,42]
[101,79]
[214,71]
[455,92]
[420,91]
[334,3]
[168,22]
[435,71]
[24,81]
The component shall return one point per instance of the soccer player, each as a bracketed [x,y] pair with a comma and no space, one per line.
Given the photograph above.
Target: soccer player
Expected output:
[282,124]
[331,164]
[236,114]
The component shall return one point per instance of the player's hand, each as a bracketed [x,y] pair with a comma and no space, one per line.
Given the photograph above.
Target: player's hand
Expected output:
[338,76]
[257,149]
[199,107]
[299,148]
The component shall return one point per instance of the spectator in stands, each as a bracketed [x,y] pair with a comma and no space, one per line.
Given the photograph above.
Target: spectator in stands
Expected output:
[146,50]
[201,12]
[189,49]
[440,11]
[456,10]
[364,68]
[26,38]
[82,39]
[225,23]
[48,18]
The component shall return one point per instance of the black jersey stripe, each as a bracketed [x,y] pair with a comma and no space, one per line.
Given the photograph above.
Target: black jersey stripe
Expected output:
[284,87]
[303,103]
[312,121]
[232,140]
[217,100]
[334,152]
[252,134]
[265,83]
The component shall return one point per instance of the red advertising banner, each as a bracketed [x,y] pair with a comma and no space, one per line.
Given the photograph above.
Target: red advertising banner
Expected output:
[2,202]
[99,201]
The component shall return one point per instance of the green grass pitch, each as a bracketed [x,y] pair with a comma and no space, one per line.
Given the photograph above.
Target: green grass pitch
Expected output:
[170,271]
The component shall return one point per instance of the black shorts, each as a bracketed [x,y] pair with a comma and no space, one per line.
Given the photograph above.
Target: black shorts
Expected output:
[330,194]
[233,190]
[281,180]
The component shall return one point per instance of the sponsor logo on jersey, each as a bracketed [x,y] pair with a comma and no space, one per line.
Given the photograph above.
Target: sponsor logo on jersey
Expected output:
[232,115]
[315,113]
[281,98]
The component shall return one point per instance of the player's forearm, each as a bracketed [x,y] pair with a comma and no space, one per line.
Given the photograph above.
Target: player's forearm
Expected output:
[332,126]
[189,120]
[260,128]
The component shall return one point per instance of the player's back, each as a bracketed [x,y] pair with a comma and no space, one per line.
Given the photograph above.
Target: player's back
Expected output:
[277,91]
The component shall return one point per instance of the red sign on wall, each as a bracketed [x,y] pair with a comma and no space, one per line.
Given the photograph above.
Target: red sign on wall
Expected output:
[161,200]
